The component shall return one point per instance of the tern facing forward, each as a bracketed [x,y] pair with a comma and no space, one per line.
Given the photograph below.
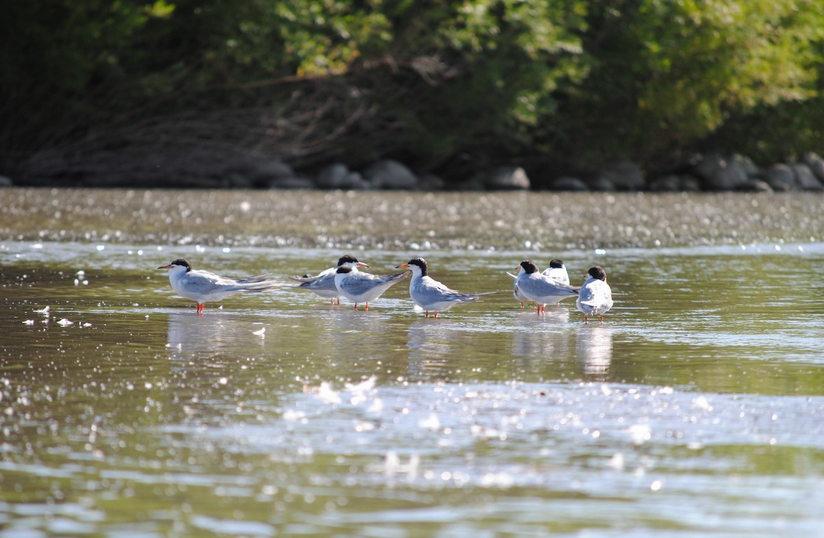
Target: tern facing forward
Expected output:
[556,271]
[595,298]
[540,288]
[431,295]
[202,286]
[363,287]
[323,284]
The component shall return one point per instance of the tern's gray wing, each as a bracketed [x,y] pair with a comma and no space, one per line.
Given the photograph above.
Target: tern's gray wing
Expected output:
[325,282]
[543,287]
[362,283]
[253,279]
[326,273]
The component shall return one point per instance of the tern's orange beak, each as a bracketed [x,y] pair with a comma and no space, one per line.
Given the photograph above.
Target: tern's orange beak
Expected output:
[361,264]
[403,266]
[167,266]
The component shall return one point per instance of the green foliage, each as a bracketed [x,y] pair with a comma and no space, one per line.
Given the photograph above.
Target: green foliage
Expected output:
[496,79]
[667,74]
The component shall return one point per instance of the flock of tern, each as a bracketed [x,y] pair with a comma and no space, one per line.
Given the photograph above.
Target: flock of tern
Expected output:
[593,298]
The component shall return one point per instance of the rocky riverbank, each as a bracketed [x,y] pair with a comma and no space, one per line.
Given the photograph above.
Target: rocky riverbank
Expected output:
[534,221]
[700,173]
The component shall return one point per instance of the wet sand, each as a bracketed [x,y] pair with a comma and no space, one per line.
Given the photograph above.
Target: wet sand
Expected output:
[409,220]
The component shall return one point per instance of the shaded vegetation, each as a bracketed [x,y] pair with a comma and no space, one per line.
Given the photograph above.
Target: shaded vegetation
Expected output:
[146,90]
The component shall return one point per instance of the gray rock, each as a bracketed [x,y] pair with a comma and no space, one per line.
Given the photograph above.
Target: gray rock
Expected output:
[625,176]
[392,175]
[747,164]
[338,176]
[720,173]
[506,178]
[291,183]
[805,179]
[671,183]
[600,184]
[780,177]
[5,181]
[816,164]
[754,185]
[331,177]
[569,184]
[270,171]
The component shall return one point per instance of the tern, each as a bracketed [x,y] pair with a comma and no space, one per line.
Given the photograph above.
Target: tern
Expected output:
[431,295]
[363,287]
[202,286]
[539,288]
[595,298]
[556,271]
[323,284]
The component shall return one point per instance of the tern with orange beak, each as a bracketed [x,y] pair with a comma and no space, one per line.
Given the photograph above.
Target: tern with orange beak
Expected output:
[203,286]
[431,295]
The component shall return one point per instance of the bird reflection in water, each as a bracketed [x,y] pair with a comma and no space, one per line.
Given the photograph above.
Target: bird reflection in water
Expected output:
[211,337]
[541,337]
[594,350]
[430,346]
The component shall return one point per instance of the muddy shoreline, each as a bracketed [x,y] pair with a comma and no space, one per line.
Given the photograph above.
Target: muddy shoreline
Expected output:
[409,220]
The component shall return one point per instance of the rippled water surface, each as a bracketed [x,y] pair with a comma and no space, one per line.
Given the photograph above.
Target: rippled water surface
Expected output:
[695,409]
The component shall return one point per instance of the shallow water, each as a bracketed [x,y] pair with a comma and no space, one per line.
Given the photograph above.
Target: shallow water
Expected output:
[696,408]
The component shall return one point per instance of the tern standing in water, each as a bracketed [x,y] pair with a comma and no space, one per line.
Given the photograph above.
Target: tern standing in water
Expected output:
[431,295]
[203,286]
[541,289]
[323,284]
[595,298]
[363,287]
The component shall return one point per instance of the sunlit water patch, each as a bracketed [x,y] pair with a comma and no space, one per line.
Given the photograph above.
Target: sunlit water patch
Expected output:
[694,409]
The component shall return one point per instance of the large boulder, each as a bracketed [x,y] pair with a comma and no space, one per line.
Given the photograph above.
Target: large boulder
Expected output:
[805,179]
[816,164]
[600,183]
[569,184]
[722,173]
[291,183]
[624,175]
[754,185]
[338,176]
[271,172]
[780,177]
[670,183]
[391,175]
[506,178]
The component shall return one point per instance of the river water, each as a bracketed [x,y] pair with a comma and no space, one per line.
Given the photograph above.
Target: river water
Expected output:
[695,409]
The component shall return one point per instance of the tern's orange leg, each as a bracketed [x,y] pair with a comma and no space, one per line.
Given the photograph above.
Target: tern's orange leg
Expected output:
[199,309]
[367,307]
[436,315]
[356,306]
